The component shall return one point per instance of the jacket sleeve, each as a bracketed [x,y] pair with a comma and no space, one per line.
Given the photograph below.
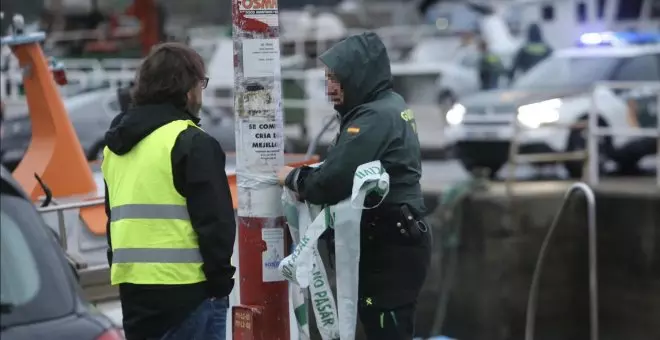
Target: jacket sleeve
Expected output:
[515,64]
[107,225]
[211,210]
[361,141]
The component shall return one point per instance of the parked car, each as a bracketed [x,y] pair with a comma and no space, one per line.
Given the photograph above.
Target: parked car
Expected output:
[557,90]
[40,297]
[91,114]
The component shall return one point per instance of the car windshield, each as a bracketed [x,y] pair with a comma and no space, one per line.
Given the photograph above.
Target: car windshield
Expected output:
[34,283]
[567,72]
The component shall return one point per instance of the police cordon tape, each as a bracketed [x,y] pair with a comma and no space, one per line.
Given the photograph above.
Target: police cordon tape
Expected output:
[304,267]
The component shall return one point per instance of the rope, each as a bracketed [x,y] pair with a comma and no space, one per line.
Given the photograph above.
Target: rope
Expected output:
[451,213]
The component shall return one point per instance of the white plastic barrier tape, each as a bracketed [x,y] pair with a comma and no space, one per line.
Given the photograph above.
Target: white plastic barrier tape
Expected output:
[298,294]
[304,267]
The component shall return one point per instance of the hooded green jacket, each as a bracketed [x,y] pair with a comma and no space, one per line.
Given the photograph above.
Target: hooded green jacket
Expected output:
[376,124]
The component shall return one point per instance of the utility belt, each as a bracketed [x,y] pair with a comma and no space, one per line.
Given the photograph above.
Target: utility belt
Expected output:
[396,224]
[391,224]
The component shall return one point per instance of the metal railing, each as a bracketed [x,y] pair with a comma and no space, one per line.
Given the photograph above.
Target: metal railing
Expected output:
[596,131]
[59,209]
[530,316]
[81,77]
[516,158]
[312,102]
[590,155]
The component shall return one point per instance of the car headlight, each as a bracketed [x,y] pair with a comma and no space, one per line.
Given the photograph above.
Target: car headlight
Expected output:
[537,114]
[455,114]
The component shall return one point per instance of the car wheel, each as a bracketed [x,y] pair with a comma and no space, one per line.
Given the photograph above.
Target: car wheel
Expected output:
[446,100]
[577,140]
[492,167]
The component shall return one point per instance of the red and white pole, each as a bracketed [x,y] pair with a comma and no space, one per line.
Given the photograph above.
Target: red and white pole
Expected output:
[263,313]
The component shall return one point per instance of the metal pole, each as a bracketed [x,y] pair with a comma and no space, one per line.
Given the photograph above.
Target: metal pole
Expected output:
[70,206]
[593,135]
[61,227]
[657,141]
[530,317]
[514,149]
[263,313]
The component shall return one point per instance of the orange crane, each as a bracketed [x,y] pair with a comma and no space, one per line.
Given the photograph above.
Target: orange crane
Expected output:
[54,153]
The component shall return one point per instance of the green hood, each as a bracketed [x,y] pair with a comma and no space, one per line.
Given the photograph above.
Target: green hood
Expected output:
[362,67]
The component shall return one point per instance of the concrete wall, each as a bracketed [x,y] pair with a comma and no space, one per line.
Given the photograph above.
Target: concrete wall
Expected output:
[497,258]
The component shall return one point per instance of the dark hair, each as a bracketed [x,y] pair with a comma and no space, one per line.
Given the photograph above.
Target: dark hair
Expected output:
[124,98]
[167,74]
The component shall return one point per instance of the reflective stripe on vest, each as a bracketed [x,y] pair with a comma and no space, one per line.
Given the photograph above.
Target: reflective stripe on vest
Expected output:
[149,211]
[156,255]
[153,241]
[536,48]
[492,59]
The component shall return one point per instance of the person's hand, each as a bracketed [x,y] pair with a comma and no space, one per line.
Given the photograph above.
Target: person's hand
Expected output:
[283,173]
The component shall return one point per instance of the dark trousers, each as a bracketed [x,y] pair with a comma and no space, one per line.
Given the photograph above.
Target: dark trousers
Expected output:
[387,324]
[208,322]
[393,267]
[394,260]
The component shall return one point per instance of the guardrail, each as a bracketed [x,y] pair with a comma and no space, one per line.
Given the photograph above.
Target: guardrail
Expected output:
[95,280]
[86,75]
[590,155]
[305,99]
[59,209]
[515,158]
[595,131]
[83,73]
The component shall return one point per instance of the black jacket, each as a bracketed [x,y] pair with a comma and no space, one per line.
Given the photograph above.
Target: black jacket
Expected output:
[376,124]
[532,53]
[198,168]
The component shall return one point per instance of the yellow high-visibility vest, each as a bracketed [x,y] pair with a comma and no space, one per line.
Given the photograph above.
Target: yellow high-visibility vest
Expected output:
[153,241]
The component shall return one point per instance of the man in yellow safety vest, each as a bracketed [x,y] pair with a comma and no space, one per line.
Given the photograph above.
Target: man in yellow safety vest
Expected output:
[171,225]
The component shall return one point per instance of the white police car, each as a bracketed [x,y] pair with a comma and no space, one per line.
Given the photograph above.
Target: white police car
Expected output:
[557,90]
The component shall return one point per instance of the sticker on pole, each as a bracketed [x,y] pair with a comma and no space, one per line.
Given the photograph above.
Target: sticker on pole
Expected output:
[271,258]
[261,10]
[259,103]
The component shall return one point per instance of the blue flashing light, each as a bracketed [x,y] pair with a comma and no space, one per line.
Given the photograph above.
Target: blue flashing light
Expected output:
[618,39]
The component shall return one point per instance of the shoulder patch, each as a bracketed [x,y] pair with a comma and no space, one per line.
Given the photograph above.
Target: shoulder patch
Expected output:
[407,115]
[353,130]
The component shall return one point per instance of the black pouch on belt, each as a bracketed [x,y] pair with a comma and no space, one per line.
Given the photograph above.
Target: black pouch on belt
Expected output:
[410,224]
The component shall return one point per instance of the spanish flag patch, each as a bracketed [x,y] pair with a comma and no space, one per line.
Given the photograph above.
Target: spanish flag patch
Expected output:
[353,130]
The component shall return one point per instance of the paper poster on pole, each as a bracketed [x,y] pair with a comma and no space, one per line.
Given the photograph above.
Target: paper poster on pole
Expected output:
[265,141]
[265,11]
[271,258]
[261,58]
[260,103]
